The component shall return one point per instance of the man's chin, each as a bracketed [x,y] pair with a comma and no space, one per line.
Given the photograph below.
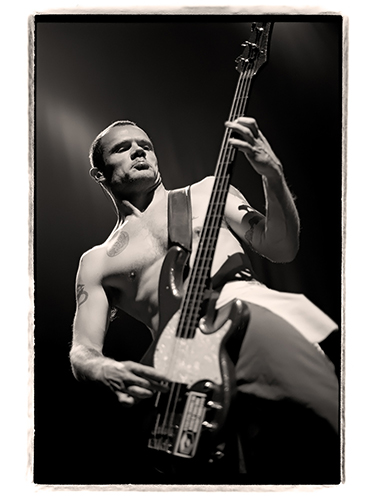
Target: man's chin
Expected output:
[140,180]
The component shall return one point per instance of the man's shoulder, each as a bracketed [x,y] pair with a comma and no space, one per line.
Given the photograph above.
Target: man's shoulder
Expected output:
[203,185]
[94,252]
[91,259]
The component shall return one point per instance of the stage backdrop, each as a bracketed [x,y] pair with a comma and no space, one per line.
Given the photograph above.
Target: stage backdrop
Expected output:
[175,77]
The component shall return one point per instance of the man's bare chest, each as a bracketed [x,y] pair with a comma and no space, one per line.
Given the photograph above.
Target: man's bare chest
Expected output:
[133,249]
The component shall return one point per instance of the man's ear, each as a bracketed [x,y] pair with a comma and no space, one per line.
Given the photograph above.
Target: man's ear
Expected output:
[97,175]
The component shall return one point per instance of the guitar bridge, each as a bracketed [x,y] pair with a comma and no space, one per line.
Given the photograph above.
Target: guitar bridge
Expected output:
[180,436]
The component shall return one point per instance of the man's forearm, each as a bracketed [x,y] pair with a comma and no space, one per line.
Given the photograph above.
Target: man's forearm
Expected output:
[282,221]
[87,363]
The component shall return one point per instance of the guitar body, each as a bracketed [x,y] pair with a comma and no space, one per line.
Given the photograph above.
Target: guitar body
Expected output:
[188,421]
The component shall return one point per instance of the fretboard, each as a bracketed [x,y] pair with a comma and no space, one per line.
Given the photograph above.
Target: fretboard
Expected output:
[199,280]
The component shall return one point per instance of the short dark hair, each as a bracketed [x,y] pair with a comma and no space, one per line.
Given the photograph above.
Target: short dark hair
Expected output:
[96,149]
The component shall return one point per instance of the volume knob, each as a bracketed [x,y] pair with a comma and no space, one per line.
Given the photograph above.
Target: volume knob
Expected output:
[213,405]
[208,425]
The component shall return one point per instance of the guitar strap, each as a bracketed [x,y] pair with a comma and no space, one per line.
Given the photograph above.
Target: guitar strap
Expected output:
[237,266]
[179,218]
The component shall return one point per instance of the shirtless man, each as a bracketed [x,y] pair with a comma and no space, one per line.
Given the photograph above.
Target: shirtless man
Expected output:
[124,271]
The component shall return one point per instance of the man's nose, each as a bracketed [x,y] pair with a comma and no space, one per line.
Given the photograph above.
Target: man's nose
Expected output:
[137,152]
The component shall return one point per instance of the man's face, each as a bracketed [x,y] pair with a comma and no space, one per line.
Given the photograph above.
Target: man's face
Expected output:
[129,153]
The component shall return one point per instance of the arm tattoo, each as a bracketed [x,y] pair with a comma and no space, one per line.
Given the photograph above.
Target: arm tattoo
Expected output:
[119,244]
[253,221]
[93,352]
[82,295]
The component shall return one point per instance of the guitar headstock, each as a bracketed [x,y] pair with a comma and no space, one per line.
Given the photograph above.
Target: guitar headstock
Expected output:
[255,48]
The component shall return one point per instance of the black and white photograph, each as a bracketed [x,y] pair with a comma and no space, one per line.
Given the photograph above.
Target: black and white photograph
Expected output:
[187,249]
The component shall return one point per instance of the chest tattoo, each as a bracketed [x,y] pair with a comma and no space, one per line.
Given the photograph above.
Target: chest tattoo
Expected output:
[118,245]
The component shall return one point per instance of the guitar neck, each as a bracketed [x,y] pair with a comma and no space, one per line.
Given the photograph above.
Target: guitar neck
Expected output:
[248,64]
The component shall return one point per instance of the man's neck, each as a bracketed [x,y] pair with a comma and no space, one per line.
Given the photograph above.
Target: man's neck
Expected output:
[140,203]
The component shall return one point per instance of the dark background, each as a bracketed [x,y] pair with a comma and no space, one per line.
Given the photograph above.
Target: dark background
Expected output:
[175,77]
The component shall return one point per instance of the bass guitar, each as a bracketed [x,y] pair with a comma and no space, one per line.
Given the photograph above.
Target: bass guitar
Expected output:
[188,421]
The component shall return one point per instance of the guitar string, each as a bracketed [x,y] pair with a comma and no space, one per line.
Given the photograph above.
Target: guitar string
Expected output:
[170,412]
[190,323]
[240,101]
[205,252]
[226,151]
[185,326]
[199,276]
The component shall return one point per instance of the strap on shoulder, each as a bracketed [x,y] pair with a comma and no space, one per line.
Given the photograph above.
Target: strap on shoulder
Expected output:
[179,218]
[237,266]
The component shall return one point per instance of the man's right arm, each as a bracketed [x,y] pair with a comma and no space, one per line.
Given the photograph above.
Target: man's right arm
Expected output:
[130,381]
[90,322]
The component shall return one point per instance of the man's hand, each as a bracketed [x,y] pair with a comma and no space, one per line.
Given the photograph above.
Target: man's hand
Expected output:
[132,381]
[275,235]
[255,146]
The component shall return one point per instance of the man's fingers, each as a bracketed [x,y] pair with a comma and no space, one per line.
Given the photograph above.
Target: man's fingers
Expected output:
[125,399]
[240,132]
[252,142]
[246,127]
[249,123]
[145,371]
[243,146]
[139,392]
[145,383]
[136,374]
[161,387]
[132,394]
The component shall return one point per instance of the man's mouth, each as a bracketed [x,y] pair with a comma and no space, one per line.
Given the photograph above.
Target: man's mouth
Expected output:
[141,164]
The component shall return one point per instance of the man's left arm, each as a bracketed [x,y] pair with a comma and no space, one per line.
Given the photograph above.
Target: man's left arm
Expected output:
[274,235]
